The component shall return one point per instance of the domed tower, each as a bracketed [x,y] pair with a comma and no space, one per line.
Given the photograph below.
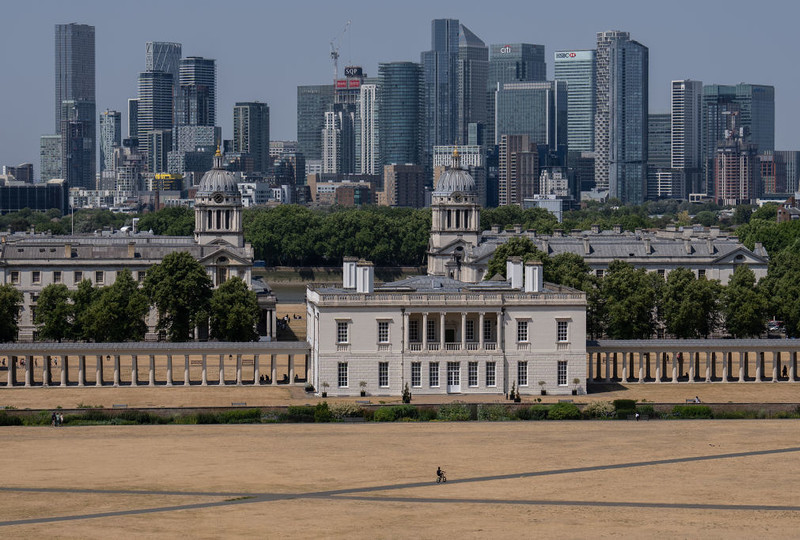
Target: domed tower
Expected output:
[456,220]
[218,207]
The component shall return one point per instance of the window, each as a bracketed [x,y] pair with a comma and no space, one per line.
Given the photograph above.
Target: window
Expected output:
[701,273]
[341,332]
[36,276]
[431,330]
[561,331]
[662,273]
[522,331]
[598,273]
[140,276]
[433,373]
[491,368]
[487,330]
[383,374]
[413,330]
[416,374]
[522,373]
[78,276]
[15,277]
[342,374]
[470,330]
[383,331]
[562,373]
[98,277]
[56,276]
[472,371]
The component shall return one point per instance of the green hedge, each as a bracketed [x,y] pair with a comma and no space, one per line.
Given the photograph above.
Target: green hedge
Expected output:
[495,412]
[455,412]
[564,411]
[8,420]
[624,404]
[692,411]
[396,412]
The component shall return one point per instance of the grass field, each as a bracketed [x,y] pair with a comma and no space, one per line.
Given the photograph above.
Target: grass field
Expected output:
[710,479]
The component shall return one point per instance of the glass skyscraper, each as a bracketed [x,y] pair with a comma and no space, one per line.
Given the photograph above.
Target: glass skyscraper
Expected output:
[401,110]
[312,103]
[251,132]
[577,68]
[110,136]
[155,105]
[621,116]
[439,67]
[197,95]
[535,109]
[165,56]
[472,75]
[77,143]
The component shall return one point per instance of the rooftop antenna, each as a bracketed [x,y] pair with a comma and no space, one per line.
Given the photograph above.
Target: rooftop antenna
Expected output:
[335,45]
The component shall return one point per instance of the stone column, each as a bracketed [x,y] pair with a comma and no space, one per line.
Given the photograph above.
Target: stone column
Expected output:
[256,370]
[187,381]
[658,367]
[590,369]
[776,359]
[238,370]
[273,369]
[222,370]
[134,370]
[425,331]
[12,371]
[742,361]
[205,371]
[691,366]
[28,370]
[463,331]
[404,344]
[759,365]
[501,344]
[481,319]
[46,370]
[709,360]
[99,371]
[64,370]
[81,370]
[169,370]
[441,330]
[792,365]
[674,367]
[726,360]
[152,370]
[625,367]
[641,368]
[291,369]
[116,370]
[607,377]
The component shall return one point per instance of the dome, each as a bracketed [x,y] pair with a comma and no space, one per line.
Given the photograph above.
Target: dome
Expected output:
[455,179]
[218,180]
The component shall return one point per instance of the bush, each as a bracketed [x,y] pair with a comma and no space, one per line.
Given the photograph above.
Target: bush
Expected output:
[692,411]
[458,411]
[8,420]
[345,409]
[493,413]
[649,410]
[564,411]
[599,409]
[384,414]
[299,414]
[322,413]
[140,417]
[427,414]
[538,412]
[240,416]
[623,414]
[625,404]
[396,412]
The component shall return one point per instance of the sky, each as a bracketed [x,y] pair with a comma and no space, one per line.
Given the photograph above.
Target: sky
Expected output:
[264,50]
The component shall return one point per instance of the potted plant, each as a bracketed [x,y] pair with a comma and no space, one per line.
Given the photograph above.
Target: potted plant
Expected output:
[363,385]
[576,381]
[512,394]
[542,384]
[325,386]
[517,397]
[406,394]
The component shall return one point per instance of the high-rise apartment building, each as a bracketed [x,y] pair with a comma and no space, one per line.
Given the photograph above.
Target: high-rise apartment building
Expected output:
[50,157]
[331,143]
[110,136]
[790,164]
[621,116]
[165,56]
[661,182]
[133,118]
[440,67]
[312,103]
[518,169]
[367,130]
[535,109]
[401,112]
[404,185]
[251,132]
[472,74]
[155,106]
[686,134]
[511,62]
[77,143]
[197,95]
[736,165]
[577,69]
[21,173]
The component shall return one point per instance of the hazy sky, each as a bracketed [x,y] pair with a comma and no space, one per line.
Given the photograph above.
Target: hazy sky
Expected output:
[265,49]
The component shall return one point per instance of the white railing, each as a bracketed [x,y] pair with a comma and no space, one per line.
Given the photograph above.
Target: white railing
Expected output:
[433,346]
[384,348]
[473,346]
[342,347]
[562,346]
[453,346]
[523,346]
[415,346]
[490,346]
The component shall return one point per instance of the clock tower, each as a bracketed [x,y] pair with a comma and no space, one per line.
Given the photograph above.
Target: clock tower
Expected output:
[218,208]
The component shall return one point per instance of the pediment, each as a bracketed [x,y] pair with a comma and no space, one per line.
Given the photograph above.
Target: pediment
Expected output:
[233,257]
[740,256]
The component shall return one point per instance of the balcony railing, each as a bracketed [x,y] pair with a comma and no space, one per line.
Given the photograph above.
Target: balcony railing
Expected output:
[416,346]
[453,346]
[562,346]
[384,347]
[342,347]
[473,346]
[523,346]
[433,346]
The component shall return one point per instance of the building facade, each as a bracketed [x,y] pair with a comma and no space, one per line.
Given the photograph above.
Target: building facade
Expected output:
[440,76]
[577,69]
[78,143]
[404,185]
[251,132]
[535,109]
[110,137]
[50,157]
[472,72]
[367,130]
[686,133]
[154,110]
[401,112]
[312,102]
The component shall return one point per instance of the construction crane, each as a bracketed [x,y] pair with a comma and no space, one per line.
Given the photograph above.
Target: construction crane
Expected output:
[335,50]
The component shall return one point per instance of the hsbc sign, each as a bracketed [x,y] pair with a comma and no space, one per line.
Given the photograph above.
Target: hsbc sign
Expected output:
[574,55]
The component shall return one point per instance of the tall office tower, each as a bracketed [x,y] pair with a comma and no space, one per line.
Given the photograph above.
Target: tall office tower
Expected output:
[756,107]
[518,169]
[620,136]
[331,143]
[133,118]
[50,157]
[515,62]
[736,165]
[21,173]
[439,66]
[155,106]
[472,74]
[791,165]
[661,180]
[535,109]
[75,80]
[577,69]
[197,102]
[165,56]
[686,134]
[110,136]
[251,132]
[312,103]
[160,143]
[401,108]
[342,129]
[404,185]
[367,136]
[77,143]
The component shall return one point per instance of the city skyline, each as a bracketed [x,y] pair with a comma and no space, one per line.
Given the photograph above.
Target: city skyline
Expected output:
[270,67]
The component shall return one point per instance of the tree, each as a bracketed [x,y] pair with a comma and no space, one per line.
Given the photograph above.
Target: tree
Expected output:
[234,312]
[630,300]
[171,221]
[688,306]
[744,306]
[180,290]
[82,300]
[54,313]
[518,246]
[118,311]
[782,290]
[10,304]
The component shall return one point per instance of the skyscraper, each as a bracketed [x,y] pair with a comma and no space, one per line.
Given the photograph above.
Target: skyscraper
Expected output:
[312,103]
[535,109]
[367,136]
[331,143]
[50,157]
[472,75]
[110,136]
[686,134]
[736,165]
[518,169]
[133,118]
[577,69]
[401,110]
[155,106]
[621,116]
[251,132]
[77,143]
[514,62]
[439,66]
[661,182]
[165,56]
[197,101]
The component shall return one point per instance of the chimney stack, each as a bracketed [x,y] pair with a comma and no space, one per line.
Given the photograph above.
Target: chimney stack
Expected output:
[349,273]
[534,276]
[365,277]
[514,271]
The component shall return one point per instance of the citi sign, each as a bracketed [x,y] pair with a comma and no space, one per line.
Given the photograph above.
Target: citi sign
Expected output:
[505,49]
[566,55]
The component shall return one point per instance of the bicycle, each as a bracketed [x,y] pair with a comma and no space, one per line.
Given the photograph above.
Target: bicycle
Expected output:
[441,478]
